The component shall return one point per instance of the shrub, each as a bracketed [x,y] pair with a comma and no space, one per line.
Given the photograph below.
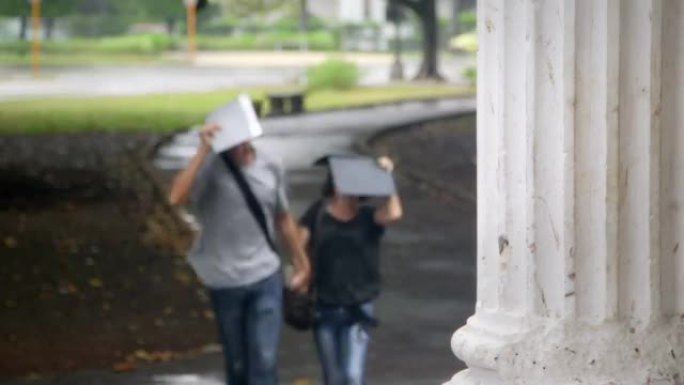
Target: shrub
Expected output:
[292,24]
[150,44]
[466,42]
[15,47]
[139,44]
[470,73]
[322,40]
[286,24]
[251,25]
[215,43]
[335,74]
[129,44]
[223,26]
[467,20]
[319,41]
[98,26]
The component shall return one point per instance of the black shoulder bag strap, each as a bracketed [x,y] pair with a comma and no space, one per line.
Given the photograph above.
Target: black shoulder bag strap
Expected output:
[252,202]
[314,237]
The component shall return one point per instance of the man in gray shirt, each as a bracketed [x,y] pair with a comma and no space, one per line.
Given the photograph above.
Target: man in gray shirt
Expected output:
[233,258]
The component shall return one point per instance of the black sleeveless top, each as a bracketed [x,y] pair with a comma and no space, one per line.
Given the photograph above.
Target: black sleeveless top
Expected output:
[345,255]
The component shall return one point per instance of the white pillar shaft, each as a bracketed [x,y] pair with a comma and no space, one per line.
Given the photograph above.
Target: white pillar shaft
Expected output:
[597,139]
[580,181]
[672,161]
[639,159]
[526,229]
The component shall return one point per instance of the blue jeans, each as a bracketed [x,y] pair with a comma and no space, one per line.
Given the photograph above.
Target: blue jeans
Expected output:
[249,319]
[342,339]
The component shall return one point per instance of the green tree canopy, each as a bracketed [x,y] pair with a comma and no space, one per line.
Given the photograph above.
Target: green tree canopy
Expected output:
[243,8]
[14,8]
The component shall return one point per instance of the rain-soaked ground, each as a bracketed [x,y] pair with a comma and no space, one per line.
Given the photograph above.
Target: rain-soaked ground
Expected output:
[100,286]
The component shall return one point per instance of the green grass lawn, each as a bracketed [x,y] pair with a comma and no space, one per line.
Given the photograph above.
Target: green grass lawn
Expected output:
[57,60]
[167,112]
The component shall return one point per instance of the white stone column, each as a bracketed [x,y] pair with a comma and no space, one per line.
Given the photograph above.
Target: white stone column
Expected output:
[580,193]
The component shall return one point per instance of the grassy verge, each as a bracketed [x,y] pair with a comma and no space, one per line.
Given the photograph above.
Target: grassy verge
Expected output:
[166,112]
[82,59]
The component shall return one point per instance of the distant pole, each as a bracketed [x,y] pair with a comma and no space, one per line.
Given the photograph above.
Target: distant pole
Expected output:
[396,15]
[304,24]
[397,72]
[35,37]
[191,10]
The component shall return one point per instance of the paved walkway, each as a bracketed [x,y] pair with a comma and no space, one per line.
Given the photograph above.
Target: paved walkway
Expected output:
[301,139]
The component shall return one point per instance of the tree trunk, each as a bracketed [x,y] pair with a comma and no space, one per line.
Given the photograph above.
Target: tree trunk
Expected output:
[171,25]
[367,16]
[23,26]
[304,15]
[49,27]
[303,25]
[429,67]
[455,25]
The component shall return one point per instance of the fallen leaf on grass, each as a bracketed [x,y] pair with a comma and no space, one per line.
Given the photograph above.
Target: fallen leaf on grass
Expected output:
[67,288]
[141,355]
[96,283]
[211,348]
[302,381]
[182,277]
[67,246]
[11,242]
[163,356]
[124,366]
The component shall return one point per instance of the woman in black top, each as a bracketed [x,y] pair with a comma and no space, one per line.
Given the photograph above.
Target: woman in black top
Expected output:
[344,238]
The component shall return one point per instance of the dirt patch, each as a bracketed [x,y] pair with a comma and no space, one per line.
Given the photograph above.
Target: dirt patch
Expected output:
[92,271]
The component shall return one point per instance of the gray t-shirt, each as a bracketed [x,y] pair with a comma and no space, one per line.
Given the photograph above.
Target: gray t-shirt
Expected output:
[230,249]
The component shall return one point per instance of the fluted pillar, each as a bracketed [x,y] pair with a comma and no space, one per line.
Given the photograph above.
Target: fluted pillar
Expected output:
[580,188]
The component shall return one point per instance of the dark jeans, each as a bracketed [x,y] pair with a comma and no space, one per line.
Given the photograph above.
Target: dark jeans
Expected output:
[342,338]
[249,319]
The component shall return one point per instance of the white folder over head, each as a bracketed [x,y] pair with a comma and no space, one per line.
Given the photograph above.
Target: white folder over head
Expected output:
[238,123]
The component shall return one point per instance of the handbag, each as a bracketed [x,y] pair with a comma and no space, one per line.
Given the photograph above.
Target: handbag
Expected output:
[298,308]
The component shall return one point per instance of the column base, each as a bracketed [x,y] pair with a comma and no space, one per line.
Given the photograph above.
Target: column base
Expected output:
[563,352]
[476,377]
